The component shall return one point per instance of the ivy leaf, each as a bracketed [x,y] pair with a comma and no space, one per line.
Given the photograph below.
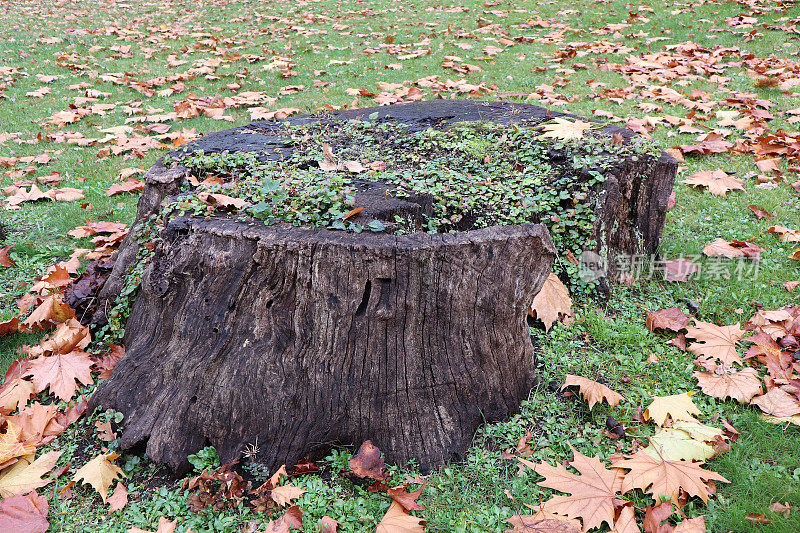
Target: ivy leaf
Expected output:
[376,226]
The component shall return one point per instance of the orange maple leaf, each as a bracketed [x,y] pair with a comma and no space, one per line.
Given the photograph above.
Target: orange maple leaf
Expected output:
[723,383]
[658,476]
[718,182]
[591,493]
[715,342]
[59,372]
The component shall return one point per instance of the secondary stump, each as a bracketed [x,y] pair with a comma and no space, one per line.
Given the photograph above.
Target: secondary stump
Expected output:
[290,338]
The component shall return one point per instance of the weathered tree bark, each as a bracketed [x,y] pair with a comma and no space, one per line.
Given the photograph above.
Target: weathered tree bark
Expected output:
[289,338]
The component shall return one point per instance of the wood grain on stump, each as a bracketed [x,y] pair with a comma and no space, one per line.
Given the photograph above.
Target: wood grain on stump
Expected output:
[290,339]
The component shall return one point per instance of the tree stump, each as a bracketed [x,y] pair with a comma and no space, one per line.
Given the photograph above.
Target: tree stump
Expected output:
[286,339]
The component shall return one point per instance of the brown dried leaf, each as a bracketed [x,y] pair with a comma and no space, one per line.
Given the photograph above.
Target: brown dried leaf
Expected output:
[662,477]
[673,319]
[552,302]
[592,492]
[396,520]
[741,385]
[592,391]
[368,462]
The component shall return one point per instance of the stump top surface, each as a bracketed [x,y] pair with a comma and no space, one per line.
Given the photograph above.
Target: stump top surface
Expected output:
[489,164]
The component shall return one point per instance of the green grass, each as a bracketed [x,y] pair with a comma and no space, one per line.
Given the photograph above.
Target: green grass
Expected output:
[326,41]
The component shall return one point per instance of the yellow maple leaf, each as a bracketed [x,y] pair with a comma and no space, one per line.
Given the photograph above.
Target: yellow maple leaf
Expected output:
[676,406]
[26,475]
[676,445]
[11,445]
[100,473]
[565,129]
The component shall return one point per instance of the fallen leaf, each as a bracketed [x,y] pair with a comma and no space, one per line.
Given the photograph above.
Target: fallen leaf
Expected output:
[396,520]
[781,508]
[119,499]
[785,234]
[24,514]
[11,445]
[778,403]
[59,373]
[758,518]
[672,319]
[164,526]
[51,311]
[677,445]
[565,129]
[718,182]
[655,515]
[329,525]
[658,476]
[592,492]
[679,269]
[592,391]
[715,342]
[368,462]
[5,259]
[407,499]
[284,494]
[15,395]
[543,522]
[740,385]
[552,302]
[692,525]
[100,473]
[676,407]
[26,474]
[759,213]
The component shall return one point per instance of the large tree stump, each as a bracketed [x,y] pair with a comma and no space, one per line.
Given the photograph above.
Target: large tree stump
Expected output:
[289,339]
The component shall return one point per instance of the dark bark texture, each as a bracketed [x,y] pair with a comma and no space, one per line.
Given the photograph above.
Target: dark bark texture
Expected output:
[290,338]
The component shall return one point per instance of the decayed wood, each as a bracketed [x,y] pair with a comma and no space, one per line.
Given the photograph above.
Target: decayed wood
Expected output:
[291,338]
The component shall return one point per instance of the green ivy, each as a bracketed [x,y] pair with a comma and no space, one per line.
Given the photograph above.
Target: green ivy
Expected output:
[478,174]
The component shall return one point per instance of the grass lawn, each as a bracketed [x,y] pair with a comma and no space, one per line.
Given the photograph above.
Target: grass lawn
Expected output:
[127,62]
